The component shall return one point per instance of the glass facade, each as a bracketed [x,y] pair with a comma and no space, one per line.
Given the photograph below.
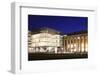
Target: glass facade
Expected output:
[45,41]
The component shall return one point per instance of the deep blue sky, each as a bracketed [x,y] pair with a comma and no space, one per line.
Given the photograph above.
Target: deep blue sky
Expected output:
[64,24]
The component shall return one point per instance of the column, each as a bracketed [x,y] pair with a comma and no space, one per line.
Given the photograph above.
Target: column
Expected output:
[73,43]
[80,43]
[87,43]
[84,43]
[70,44]
[66,45]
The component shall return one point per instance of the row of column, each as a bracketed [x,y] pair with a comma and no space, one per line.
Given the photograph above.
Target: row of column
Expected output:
[75,43]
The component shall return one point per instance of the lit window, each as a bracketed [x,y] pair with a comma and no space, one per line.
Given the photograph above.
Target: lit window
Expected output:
[78,37]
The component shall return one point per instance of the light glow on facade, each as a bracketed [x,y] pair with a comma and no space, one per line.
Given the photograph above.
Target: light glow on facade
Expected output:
[49,41]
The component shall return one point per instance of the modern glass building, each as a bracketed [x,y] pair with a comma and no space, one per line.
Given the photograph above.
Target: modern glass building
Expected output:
[44,40]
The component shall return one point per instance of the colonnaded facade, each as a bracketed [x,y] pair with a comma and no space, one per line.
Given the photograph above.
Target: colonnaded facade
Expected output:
[76,42]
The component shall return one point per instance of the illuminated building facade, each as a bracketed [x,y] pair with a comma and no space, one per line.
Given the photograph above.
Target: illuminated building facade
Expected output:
[51,41]
[29,39]
[44,40]
[76,42]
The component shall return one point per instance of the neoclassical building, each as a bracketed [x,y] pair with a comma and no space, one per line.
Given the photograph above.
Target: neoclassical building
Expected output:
[76,42]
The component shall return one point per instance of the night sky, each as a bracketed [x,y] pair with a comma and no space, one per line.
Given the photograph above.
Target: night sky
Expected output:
[63,24]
